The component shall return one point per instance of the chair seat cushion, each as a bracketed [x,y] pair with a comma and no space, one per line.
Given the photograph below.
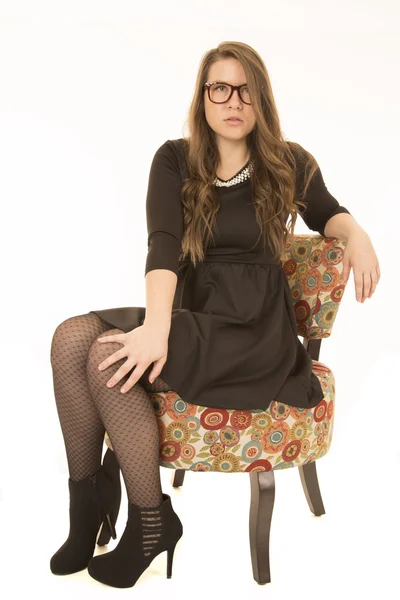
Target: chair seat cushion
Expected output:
[200,438]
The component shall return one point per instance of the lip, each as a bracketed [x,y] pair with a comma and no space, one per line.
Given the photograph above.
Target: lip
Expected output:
[234,122]
[234,119]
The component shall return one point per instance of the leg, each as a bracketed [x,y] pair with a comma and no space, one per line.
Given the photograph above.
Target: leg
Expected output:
[130,422]
[81,426]
[152,525]
[95,489]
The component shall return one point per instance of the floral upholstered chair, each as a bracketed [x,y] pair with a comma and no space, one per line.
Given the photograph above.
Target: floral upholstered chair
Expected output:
[258,442]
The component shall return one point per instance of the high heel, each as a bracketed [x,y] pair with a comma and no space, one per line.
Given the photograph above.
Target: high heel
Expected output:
[111,469]
[94,504]
[144,538]
[169,560]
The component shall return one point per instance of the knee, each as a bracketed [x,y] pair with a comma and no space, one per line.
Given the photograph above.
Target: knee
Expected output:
[99,352]
[62,335]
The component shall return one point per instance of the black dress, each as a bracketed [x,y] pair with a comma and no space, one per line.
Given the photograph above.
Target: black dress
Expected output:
[233,339]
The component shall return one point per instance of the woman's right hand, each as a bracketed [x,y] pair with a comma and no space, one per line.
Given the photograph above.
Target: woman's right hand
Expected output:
[142,346]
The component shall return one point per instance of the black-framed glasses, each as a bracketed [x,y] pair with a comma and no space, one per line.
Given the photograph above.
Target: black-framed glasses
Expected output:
[220,92]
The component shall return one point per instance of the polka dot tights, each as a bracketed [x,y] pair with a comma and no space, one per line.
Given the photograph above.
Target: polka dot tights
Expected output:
[87,407]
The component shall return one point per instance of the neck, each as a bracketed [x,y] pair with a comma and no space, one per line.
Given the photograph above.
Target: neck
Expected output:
[233,155]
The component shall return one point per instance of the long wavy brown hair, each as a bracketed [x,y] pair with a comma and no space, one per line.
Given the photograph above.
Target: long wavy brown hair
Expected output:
[278,163]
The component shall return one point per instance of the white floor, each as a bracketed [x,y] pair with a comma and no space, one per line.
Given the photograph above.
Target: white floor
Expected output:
[353,549]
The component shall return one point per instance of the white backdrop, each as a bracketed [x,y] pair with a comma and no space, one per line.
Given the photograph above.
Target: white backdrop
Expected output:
[88,91]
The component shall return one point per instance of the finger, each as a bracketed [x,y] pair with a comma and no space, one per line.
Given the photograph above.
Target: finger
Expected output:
[110,338]
[374,278]
[153,375]
[358,285]
[134,378]
[118,375]
[367,286]
[346,272]
[156,371]
[112,359]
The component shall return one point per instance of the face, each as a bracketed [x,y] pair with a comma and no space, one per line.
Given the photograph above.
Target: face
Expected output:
[229,70]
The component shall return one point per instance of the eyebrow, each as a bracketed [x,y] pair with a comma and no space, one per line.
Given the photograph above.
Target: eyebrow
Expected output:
[218,81]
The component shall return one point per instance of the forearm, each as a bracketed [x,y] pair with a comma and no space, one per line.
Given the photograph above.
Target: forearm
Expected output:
[341,226]
[160,292]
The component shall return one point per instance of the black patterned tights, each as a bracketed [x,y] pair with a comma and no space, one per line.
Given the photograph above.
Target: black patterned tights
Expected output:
[87,407]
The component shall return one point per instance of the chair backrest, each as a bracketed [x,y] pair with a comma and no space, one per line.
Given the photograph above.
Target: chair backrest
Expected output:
[313,265]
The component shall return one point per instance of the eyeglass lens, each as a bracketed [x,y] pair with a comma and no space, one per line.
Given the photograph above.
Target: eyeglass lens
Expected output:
[219,92]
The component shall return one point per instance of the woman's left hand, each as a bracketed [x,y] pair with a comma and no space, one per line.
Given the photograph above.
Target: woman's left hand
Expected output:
[360,255]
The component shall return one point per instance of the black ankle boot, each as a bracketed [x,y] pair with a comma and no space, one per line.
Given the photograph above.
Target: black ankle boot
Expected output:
[139,545]
[94,503]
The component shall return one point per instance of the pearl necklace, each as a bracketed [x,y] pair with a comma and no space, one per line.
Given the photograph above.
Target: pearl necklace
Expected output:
[238,178]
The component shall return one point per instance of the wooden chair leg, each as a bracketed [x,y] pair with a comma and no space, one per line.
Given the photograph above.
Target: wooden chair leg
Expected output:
[309,480]
[178,477]
[262,504]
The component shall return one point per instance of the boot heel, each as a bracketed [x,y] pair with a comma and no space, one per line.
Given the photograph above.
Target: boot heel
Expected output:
[111,527]
[107,531]
[112,470]
[170,557]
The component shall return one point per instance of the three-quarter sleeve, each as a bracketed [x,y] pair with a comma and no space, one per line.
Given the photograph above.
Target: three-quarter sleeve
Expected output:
[164,211]
[321,205]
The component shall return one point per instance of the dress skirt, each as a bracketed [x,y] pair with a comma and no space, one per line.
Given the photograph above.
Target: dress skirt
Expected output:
[233,339]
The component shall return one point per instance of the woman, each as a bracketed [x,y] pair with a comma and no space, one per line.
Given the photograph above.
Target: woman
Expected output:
[218,328]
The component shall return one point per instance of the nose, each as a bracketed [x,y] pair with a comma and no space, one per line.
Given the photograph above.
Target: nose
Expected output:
[233,96]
